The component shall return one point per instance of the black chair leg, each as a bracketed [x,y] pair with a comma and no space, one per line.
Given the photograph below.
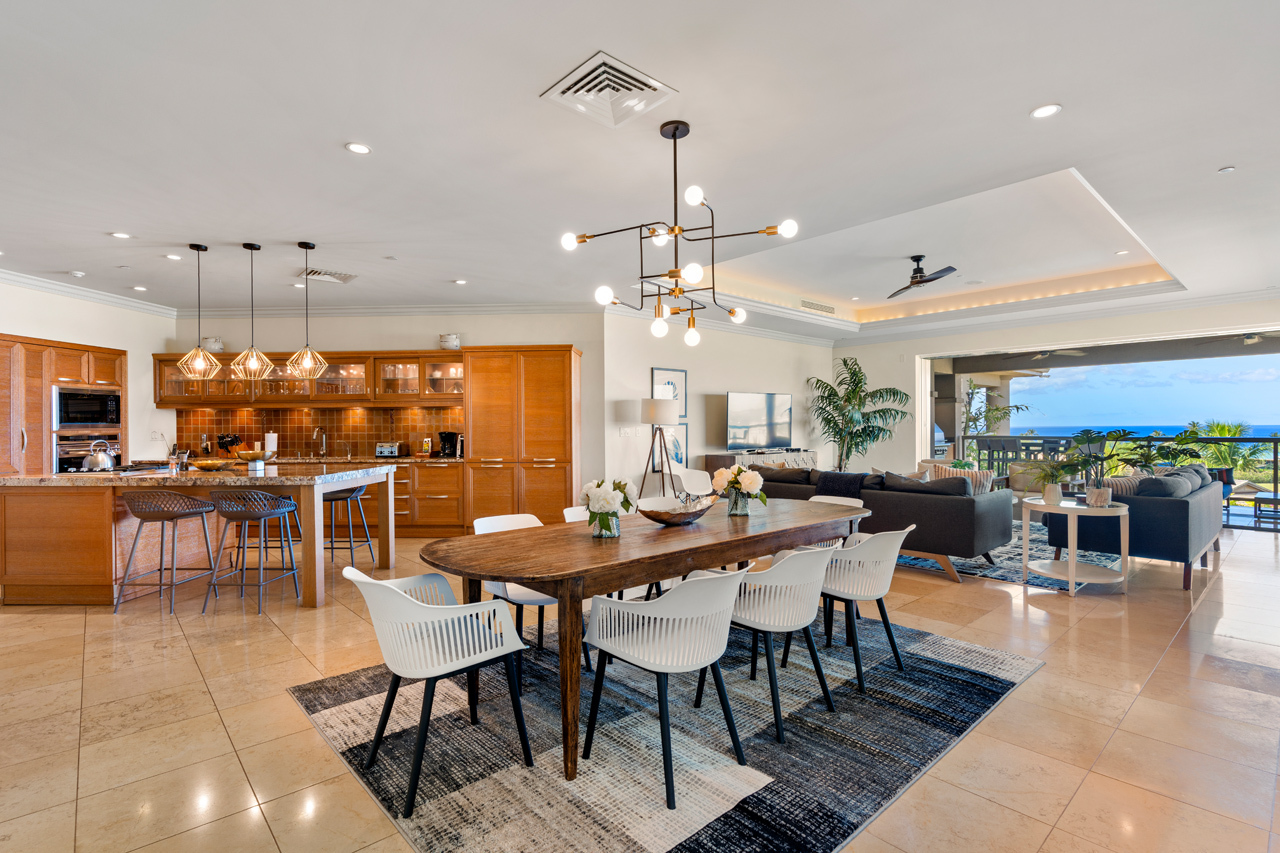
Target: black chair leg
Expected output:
[541,617]
[857,655]
[473,695]
[817,667]
[509,663]
[382,722]
[773,685]
[786,650]
[755,652]
[702,683]
[586,652]
[888,629]
[831,617]
[664,719]
[428,695]
[520,621]
[728,713]
[850,630]
[601,660]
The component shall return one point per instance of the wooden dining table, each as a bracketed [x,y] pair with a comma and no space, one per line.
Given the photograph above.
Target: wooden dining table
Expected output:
[564,561]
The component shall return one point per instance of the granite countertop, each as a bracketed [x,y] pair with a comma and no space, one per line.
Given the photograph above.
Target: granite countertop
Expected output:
[298,475]
[384,460]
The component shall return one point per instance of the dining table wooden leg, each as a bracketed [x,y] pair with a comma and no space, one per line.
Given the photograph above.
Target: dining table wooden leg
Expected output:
[387,522]
[311,510]
[569,615]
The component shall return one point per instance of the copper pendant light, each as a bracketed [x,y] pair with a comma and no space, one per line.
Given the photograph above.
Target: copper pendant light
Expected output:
[251,364]
[199,363]
[306,363]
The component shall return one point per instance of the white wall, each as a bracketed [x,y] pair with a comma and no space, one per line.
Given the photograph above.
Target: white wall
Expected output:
[722,362]
[902,363]
[406,332]
[56,316]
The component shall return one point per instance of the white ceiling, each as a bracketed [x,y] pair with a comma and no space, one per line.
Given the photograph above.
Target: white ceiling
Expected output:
[224,122]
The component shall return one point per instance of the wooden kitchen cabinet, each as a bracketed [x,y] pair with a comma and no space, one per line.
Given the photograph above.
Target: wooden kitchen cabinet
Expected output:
[279,385]
[397,379]
[345,379]
[36,435]
[106,369]
[493,407]
[11,450]
[70,366]
[547,392]
[491,489]
[174,388]
[79,569]
[545,490]
[225,387]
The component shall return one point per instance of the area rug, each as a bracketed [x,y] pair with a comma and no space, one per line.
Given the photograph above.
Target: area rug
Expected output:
[813,794]
[1008,559]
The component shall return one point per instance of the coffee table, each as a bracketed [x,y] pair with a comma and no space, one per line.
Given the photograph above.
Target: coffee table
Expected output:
[1071,569]
[1266,508]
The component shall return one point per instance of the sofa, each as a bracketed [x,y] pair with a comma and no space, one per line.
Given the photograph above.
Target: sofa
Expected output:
[946,525]
[1178,529]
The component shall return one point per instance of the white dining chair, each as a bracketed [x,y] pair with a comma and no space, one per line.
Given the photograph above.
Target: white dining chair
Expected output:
[576,513]
[692,481]
[838,501]
[683,631]
[863,572]
[425,634]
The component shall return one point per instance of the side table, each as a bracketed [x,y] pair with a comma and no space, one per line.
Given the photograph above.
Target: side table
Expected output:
[1071,569]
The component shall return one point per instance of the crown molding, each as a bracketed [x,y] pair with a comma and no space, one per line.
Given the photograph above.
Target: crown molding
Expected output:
[85,294]
[400,310]
[786,312]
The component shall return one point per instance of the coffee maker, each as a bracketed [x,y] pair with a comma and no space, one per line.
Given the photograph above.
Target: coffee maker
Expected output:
[451,444]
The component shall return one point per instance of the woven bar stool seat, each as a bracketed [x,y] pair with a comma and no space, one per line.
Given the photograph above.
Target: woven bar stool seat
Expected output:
[165,507]
[245,507]
[351,543]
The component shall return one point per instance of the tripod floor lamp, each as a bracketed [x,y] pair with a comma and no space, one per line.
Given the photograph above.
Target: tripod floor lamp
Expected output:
[659,413]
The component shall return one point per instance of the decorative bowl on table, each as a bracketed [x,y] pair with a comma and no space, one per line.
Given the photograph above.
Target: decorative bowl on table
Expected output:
[211,464]
[674,512]
[256,455]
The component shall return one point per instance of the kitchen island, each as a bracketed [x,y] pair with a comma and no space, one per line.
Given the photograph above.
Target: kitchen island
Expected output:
[65,538]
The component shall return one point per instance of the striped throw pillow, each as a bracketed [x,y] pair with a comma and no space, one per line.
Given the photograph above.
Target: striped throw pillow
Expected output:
[981,480]
[1122,485]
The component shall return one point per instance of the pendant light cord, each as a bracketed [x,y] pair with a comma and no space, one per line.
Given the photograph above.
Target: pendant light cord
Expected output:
[306,284]
[199,307]
[251,338]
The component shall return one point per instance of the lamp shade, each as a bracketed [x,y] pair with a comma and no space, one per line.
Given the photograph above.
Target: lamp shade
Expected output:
[659,412]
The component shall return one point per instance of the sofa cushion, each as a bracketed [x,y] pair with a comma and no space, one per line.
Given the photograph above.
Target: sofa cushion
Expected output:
[782,475]
[873,481]
[1122,485]
[981,480]
[958,486]
[1172,486]
[1021,477]
[1196,469]
[922,476]
[814,474]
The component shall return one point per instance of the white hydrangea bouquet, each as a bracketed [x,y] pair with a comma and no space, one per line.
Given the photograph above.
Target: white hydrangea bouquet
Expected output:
[741,485]
[605,502]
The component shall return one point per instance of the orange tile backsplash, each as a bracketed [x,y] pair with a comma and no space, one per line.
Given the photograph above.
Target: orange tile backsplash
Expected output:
[359,426]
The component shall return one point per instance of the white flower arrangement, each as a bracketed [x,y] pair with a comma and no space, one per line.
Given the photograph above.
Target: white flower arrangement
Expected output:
[743,479]
[601,500]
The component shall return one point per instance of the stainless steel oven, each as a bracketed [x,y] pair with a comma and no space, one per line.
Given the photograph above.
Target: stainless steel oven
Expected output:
[86,407]
[71,450]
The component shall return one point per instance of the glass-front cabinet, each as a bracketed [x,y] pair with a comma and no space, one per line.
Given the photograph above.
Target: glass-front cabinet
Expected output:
[225,386]
[443,381]
[397,379]
[172,385]
[282,386]
[344,379]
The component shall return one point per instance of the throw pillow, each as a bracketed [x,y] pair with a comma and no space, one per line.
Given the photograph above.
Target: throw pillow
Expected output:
[1122,485]
[1020,479]
[958,486]
[873,481]
[1163,487]
[922,476]
[981,480]
[1201,470]
[1192,478]
[783,475]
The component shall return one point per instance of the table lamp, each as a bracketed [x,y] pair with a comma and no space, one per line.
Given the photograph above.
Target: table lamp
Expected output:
[659,413]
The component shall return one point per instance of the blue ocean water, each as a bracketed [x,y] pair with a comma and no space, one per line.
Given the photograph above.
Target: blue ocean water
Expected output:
[1257,430]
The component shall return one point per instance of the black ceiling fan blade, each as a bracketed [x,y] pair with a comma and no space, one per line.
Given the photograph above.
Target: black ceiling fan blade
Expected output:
[937,275]
[902,290]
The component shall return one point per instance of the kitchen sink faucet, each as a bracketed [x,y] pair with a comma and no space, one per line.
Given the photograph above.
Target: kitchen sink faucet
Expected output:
[324,444]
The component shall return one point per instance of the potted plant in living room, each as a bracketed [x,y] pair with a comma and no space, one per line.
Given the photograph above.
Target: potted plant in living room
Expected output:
[852,416]
[1048,474]
[605,502]
[1176,451]
[741,485]
[1092,455]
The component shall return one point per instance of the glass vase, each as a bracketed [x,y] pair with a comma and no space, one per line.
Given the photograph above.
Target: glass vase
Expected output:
[739,502]
[606,526]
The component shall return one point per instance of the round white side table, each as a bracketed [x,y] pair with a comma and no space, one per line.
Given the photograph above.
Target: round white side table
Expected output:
[1072,570]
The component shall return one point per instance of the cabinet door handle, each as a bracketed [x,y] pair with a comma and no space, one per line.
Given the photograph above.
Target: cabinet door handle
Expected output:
[24,439]
[536,459]
[437,497]
[491,466]
[401,512]
[437,465]
[542,466]
[490,460]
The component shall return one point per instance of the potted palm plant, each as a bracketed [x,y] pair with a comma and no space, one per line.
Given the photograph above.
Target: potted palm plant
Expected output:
[1092,455]
[1176,451]
[1048,474]
[852,416]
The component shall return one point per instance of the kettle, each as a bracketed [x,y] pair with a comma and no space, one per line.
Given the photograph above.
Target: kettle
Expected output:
[100,460]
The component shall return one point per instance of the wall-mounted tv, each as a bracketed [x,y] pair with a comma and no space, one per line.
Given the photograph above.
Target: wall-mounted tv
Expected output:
[758,421]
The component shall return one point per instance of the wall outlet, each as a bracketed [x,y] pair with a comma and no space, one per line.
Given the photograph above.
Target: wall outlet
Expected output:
[626,432]
[155,436]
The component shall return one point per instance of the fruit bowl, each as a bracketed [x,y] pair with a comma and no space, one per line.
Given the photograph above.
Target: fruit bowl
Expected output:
[256,455]
[211,464]
[673,512]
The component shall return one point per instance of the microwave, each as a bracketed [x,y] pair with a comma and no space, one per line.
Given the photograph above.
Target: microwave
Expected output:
[85,407]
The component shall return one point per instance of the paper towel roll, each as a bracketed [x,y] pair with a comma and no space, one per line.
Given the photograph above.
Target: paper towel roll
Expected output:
[269,441]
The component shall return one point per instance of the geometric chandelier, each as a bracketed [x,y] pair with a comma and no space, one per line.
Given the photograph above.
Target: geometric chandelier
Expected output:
[199,363]
[251,364]
[306,363]
[675,282]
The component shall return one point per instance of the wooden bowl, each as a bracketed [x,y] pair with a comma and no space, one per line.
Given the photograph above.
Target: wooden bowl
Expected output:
[211,464]
[256,455]
[673,512]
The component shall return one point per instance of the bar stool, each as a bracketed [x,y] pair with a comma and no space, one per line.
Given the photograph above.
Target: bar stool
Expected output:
[246,506]
[333,499]
[165,507]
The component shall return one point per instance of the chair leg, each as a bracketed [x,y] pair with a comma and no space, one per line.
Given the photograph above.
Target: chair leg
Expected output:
[129,566]
[601,660]
[664,719]
[351,533]
[831,617]
[368,540]
[293,563]
[541,616]
[160,581]
[586,651]
[509,664]
[817,667]
[857,656]
[242,555]
[850,630]
[264,534]
[382,722]
[333,529]
[702,683]
[208,549]
[1057,553]
[728,713]
[520,621]
[773,685]
[173,567]
[428,695]
[786,649]
[755,652]
[888,629]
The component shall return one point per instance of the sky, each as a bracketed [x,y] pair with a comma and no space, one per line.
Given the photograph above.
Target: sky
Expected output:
[1242,388]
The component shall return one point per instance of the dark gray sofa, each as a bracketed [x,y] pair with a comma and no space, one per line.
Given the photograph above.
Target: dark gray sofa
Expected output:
[1180,530]
[946,525]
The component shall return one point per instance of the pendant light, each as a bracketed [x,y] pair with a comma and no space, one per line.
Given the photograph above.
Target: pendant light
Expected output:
[251,364]
[199,363]
[306,362]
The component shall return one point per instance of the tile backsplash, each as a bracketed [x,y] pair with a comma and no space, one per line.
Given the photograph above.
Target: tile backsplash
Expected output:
[361,427]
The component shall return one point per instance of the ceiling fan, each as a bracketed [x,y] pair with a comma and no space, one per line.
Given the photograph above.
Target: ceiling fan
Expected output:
[919,279]
[1248,340]
[1073,353]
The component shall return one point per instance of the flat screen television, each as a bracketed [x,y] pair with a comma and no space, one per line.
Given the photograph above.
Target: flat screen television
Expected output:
[758,421]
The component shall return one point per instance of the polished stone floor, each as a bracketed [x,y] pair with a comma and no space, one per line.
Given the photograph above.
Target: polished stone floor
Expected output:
[1153,726]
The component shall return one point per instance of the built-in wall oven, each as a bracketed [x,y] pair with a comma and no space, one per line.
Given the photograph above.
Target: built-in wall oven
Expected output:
[98,408]
[71,450]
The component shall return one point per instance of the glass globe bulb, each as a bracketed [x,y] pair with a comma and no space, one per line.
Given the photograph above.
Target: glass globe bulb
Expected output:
[198,364]
[604,294]
[659,327]
[660,237]
[788,228]
[569,241]
[692,273]
[693,196]
[738,315]
[306,360]
[692,337]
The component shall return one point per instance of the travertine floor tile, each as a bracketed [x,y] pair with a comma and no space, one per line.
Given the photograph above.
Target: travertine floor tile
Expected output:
[264,720]
[49,831]
[39,702]
[145,711]
[1105,671]
[1064,842]
[1059,693]
[1242,743]
[941,610]
[1059,735]
[243,832]
[1028,782]
[264,682]
[1221,700]
[111,763]
[336,816]
[933,815]
[37,785]
[290,763]
[40,737]
[123,683]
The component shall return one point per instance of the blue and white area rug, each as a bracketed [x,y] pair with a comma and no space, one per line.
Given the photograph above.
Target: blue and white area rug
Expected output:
[1008,559]
[813,794]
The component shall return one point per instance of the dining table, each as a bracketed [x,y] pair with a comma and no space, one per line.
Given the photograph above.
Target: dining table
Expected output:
[567,562]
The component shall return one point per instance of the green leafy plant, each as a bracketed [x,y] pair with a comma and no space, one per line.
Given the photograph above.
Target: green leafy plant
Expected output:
[1177,451]
[1094,452]
[1049,472]
[961,464]
[982,412]
[852,416]
[1233,454]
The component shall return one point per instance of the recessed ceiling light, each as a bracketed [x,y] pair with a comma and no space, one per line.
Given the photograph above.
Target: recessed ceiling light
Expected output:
[358,148]
[1046,111]
[1226,169]
[854,298]
[299,285]
[138,287]
[1123,252]
[77,274]
[121,235]
[391,258]
[174,257]
[975,281]
[124,267]
[459,281]
[1,253]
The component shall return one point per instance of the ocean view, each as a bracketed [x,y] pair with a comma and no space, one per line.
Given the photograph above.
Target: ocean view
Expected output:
[1257,430]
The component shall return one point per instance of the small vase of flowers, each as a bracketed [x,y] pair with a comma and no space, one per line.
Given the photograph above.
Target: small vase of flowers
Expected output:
[741,485]
[604,501]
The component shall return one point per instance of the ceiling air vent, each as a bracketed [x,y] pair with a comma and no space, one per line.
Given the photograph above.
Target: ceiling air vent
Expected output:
[817,306]
[326,275]
[607,91]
